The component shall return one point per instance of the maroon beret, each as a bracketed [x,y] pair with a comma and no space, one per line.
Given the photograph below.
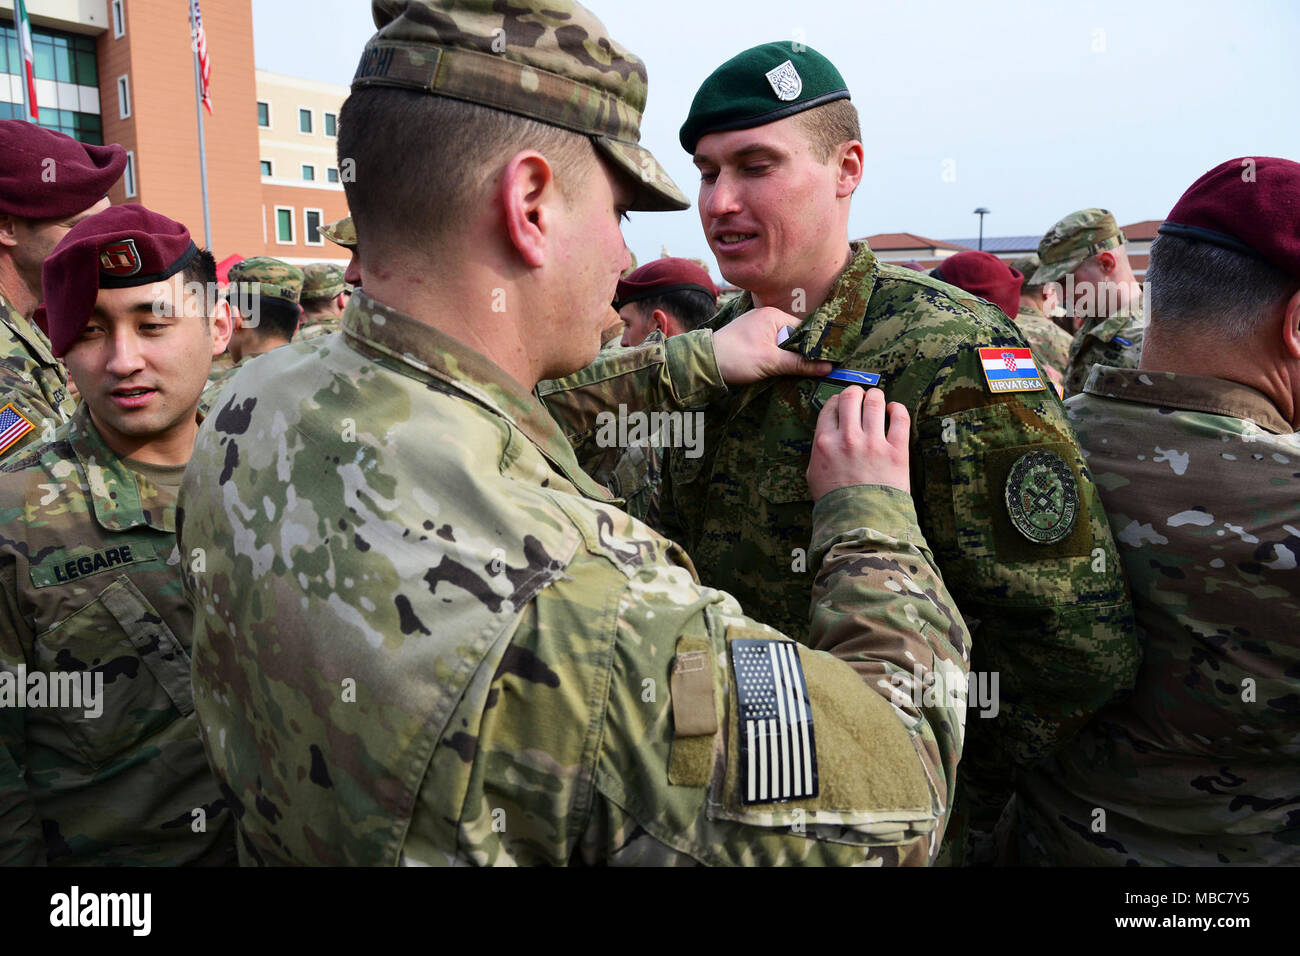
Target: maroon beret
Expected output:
[663,276]
[120,247]
[47,175]
[985,275]
[1250,205]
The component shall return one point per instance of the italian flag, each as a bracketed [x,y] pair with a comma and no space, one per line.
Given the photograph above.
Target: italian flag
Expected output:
[29,66]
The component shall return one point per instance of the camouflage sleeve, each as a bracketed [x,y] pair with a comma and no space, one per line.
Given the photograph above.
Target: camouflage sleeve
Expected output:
[21,841]
[19,391]
[1040,585]
[1116,342]
[675,374]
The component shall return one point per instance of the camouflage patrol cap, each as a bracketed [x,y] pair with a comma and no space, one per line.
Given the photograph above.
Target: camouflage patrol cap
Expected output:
[341,232]
[1027,266]
[1073,241]
[547,60]
[321,280]
[270,278]
[759,86]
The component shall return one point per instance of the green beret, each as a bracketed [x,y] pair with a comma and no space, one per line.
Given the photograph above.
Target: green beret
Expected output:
[321,280]
[268,278]
[1073,241]
[762,85]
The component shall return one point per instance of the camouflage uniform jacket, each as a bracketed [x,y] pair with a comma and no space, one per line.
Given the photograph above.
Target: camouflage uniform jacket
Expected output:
[1115,341]
[448,647]
[1048,341]
[90,583]
[310,328]
[31,380]
[1054,620]
[1198,766]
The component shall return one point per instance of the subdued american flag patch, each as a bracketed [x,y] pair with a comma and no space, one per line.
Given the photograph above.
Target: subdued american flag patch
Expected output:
[778,753]
[13,426]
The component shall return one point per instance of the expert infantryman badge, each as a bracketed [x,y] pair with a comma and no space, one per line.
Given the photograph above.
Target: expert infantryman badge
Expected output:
[1042,499]
[786,82]
[119,259]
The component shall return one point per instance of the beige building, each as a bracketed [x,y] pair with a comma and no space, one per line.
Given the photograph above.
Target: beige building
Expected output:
[302,184]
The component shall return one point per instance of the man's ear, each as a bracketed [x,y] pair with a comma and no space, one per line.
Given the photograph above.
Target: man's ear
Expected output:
[222,326]
[1291,326]
[661,320]
[852,161]
[526,193]
[8,230]
[1106,261]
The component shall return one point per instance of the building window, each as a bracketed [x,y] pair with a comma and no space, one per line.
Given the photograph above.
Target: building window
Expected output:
[311,227]
[119,20]
[263,114]
[332,174]
[123,97]
[128,175]
[308,173]
[331,124]
[284,225]
[266,168]
[304,121]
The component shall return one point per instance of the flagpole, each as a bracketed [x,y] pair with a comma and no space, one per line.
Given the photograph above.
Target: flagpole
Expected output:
[203,155]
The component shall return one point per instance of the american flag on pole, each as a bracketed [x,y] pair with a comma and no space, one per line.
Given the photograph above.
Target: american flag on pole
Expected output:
[201,48]
[13,426]
[777,748]
[29,57]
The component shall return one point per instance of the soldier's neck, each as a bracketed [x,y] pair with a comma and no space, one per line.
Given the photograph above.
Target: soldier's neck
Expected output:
[175,446]
[15,290]
[1250,364]
[804,296]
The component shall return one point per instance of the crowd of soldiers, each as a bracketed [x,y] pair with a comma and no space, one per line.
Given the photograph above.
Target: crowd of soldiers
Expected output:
[298,576]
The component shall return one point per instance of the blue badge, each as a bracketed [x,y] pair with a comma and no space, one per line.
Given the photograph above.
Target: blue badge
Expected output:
[1123,341]
[853,377]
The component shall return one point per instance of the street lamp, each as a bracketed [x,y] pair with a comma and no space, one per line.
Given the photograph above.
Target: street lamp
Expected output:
[981,212]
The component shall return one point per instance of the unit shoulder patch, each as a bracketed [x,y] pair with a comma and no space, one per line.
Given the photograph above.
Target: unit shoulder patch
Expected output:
[1042,497]
[14,425]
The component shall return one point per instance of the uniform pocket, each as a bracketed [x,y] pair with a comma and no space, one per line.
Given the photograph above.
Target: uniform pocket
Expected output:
[139,676]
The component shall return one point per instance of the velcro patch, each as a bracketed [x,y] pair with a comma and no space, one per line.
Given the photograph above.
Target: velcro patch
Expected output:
[778,751]
[1042,497]
[13,426]
[65,566]
[1011,370]
[853,377]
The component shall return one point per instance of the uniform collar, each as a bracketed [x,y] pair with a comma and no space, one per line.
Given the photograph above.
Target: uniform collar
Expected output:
[114,487]
[1105,329]
[423,352]
[1030,310]
[31,335]
[1193,393]
[833,330]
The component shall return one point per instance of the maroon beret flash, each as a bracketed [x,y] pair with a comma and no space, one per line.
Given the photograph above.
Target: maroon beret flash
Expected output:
[47,175]
[1250,205]
[120,247]
[660,277]
[985,275]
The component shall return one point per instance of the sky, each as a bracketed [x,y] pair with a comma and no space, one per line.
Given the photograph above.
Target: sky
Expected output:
[1029,108]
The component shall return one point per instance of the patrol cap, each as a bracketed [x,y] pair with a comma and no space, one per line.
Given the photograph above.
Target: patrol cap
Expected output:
[47,175]
[121,247]
[985,275]
[1250,205]
[341,232]
[661,277]
[1073,241]
[271,279]
[759,86]
[321,280]
[1027,266]
[548,60]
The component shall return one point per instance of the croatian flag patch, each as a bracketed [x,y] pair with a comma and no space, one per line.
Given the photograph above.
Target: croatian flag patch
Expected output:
[1011,370]
[778,753]
[13,426]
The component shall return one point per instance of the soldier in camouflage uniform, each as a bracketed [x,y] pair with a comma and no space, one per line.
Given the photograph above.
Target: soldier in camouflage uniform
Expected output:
[1049,342]
[48,183]
[323,298]
[90,577]
[448,646]
[263,297]
[1084,256]
[1003,493]
[1196,455]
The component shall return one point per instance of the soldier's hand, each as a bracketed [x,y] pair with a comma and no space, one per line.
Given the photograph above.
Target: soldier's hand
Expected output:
[746,349]
[851,446]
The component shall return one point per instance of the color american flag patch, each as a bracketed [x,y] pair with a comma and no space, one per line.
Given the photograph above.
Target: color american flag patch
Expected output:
[778,752]
[13,426]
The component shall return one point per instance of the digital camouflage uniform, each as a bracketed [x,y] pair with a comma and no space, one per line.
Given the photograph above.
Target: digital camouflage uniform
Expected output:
[1114,341]
[449,648]
[320,281]
[90,580]
[32,381]
[1198,767]
[1052,619]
